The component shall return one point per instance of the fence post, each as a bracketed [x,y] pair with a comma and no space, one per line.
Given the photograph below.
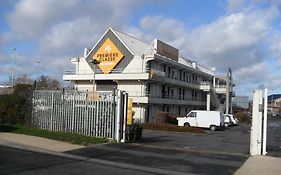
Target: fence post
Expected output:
[256,129]
[118,115]
[114,115]
[125,110]
[73,112]
[264,124]
[52,111]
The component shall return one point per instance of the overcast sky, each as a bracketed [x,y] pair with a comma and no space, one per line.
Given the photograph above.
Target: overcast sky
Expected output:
[242,34]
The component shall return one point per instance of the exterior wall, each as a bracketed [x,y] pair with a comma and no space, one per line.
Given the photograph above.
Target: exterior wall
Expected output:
[134,88]
[137,65]
[83,85]
[139,115]
[82,67]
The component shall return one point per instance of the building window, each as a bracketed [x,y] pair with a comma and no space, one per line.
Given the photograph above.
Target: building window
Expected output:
[148,89]
[163,91]
[180,74]
[173,74]
[169,72]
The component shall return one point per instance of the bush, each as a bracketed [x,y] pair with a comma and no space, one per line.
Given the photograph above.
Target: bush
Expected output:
[170,127]
[134,132]
[243,117]
[16,107]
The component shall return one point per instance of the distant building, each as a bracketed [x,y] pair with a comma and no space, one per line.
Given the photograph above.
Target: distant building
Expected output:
[274,104]
[5,90]
[240,102]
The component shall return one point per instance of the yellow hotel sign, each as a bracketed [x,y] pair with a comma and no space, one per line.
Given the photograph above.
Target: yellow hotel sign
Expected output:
[108,55]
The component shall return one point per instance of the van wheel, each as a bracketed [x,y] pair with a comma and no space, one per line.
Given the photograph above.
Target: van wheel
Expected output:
[186,124]
[226,125]
[213,127]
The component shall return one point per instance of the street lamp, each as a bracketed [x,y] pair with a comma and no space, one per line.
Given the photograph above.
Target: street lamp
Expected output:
[94,62]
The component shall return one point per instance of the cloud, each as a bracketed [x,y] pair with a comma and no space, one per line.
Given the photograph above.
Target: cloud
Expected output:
[31,18]
[232,39]
[275,47]
[168,30]
[235,5]
[237,40]
[62,29]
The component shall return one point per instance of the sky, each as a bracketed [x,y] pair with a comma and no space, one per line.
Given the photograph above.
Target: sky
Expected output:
[244,35]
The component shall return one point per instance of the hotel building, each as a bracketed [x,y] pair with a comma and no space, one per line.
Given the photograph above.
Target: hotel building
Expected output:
[154,75]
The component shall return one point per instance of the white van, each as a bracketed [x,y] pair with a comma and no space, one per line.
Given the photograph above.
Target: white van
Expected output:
[202,119]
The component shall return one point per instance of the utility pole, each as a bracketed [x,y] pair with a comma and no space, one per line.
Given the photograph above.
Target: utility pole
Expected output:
[13,67]
[37,72]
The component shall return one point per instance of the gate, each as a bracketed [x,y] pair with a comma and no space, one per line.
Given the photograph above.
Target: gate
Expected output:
[87,113]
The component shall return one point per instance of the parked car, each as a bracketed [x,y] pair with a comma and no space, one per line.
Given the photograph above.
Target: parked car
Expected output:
[232,119]
[227,121]
[203,119]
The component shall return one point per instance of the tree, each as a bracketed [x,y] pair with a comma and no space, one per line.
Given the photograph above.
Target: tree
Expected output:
[45,82]
[23,80]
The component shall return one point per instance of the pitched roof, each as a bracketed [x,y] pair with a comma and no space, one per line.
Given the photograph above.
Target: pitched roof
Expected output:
[136,46]
[273,97]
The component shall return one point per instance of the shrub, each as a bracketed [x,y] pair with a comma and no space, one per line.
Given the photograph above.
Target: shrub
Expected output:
[134,132]
[243,117]
[16,107]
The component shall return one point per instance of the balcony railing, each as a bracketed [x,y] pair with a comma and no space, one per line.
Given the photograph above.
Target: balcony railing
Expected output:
[163,95]
[114,71]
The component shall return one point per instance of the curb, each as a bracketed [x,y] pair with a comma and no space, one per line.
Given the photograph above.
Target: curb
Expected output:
[92,160]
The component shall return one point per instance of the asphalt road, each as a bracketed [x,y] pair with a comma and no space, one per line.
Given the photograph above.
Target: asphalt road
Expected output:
[173,159]
[21,162]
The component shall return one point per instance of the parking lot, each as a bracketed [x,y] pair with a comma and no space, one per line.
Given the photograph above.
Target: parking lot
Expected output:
[218,152]
[233,140]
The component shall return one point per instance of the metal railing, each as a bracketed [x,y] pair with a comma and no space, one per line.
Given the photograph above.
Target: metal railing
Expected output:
[72,111]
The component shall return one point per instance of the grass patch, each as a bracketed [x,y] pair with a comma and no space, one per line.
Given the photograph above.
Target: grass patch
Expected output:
[170,127]
[61,136]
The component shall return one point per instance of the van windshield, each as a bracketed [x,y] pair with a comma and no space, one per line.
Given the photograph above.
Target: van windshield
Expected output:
[192,114]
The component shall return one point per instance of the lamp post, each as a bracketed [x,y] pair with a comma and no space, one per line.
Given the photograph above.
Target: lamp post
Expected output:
[94,62]
[13,68]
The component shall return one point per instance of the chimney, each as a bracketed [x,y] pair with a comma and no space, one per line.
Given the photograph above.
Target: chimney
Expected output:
[86,51]
[194,64]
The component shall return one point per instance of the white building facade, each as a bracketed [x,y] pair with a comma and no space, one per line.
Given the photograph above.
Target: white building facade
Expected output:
[154,75]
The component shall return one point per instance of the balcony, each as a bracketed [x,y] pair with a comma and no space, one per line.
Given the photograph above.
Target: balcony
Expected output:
[160,76]
[115,74]
[165,98]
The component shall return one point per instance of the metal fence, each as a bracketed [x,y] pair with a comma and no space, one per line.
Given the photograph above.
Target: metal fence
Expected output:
[91,114]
